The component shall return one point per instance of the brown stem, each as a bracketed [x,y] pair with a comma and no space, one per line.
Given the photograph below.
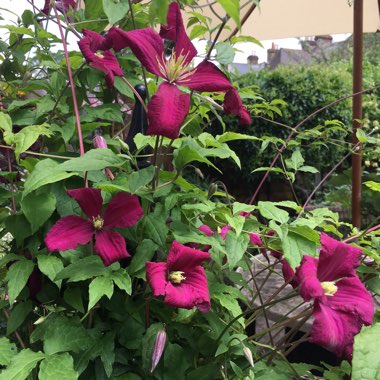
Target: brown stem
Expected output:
[18,336]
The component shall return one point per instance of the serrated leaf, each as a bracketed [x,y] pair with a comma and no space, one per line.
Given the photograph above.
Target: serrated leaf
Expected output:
[99,287]
[38,208]
[58,366]
[18,315]
[235,248]
[45,172]
[21,365]
[122,280]
[115,10]
[50,266]
[17,278]
[83,269]
[366,360]
[7,351]
[94,159]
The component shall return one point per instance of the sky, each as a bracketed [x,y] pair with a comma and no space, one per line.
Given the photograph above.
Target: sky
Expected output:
[244,49]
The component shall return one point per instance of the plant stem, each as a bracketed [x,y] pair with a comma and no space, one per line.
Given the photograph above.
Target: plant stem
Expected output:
[75,102]
[362,233]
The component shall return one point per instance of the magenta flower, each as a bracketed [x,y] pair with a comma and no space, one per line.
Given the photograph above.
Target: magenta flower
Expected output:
[95,49]
[169,106]
[181,280]
[209,232]
[341,302]
[62,5]
[122,211]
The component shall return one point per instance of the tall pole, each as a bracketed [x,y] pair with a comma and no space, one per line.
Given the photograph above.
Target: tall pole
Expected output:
[357,112]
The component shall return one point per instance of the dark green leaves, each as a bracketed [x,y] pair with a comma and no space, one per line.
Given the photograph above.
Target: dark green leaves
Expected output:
[235,247]
[99,287]
[58,366]
[7,351]
[17,277]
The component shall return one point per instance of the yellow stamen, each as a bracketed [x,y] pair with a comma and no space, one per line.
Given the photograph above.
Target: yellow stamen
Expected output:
[97,222]
[99,54]
[176,277]
[329,288]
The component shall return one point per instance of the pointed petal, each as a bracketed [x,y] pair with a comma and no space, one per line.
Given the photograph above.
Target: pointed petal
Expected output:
[288,273]
[175,31]
[68,233]
[310,286]
[207,77]
[156,275]
[110,246]
[146,44]
[123,211]
[167,110]
[334,330]
[233,105]
[255,239]
[337,259]
[244,117]
[182,258]
[191,292]
[89,200]
[352,297]
[206,230]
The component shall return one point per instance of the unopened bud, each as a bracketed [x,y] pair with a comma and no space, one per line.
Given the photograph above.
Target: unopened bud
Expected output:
[199,173]
[99,142]
[248,355]
[213,188]
[158,349]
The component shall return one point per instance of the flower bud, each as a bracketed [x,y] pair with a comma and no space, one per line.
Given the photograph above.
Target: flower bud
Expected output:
[99,142]
[158,349]
[213,188]
[248,355]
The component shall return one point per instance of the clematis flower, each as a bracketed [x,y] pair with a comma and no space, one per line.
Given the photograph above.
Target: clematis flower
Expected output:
[169,106]
[341,302]
[95,49]
[181,280]
[122,211]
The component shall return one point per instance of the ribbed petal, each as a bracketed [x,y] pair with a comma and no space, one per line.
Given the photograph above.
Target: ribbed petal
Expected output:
[94,40]
[182,258]
[68,233]
[110,246]
[167,110]
[334,330]
[206,230]
[156,275]
[175,31]
[146,45]
[191,292]
[89,200]
[255,239]
[310,285]
[207,77]
[337,259]
[123,211]
[352,297]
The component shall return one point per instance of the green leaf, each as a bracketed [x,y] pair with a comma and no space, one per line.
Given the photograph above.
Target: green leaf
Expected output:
[122,87]
[73,296]
[110,112]
[18,315]
[155,227]
[99,287]
[50,266]
[122,280]
[19,227]
[7,351]
[140,178]
[232,8]
[296,246]
[373,284]
[94,159]
[269,211]
[251,39]
[83,269]
[21,365]
[366,360]
[5,122]
[158,8]
[45,172]
[115,10]
[107,354]
[375,186]
[58,366]
[144,252]
[17,278]
[225,53]
[38,208]
[236,222]
[361,136]
[296,161]
[308,169]
[235,247]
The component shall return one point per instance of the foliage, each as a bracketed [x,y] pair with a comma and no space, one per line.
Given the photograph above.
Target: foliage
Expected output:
[75,303]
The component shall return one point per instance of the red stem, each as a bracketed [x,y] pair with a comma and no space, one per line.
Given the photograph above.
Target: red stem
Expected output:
[75,102]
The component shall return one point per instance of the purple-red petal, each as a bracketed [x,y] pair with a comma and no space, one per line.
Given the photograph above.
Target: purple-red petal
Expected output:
[310,285]
[174,30]
[207,77]
[89,200]
[183,258]
[68,233]
[146,45]
[156,275]
[255,239]
[191,292]
[223,231]
[334,329]
[167,110]
[206,230]
[123,211]
[110,246]
[337,259]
